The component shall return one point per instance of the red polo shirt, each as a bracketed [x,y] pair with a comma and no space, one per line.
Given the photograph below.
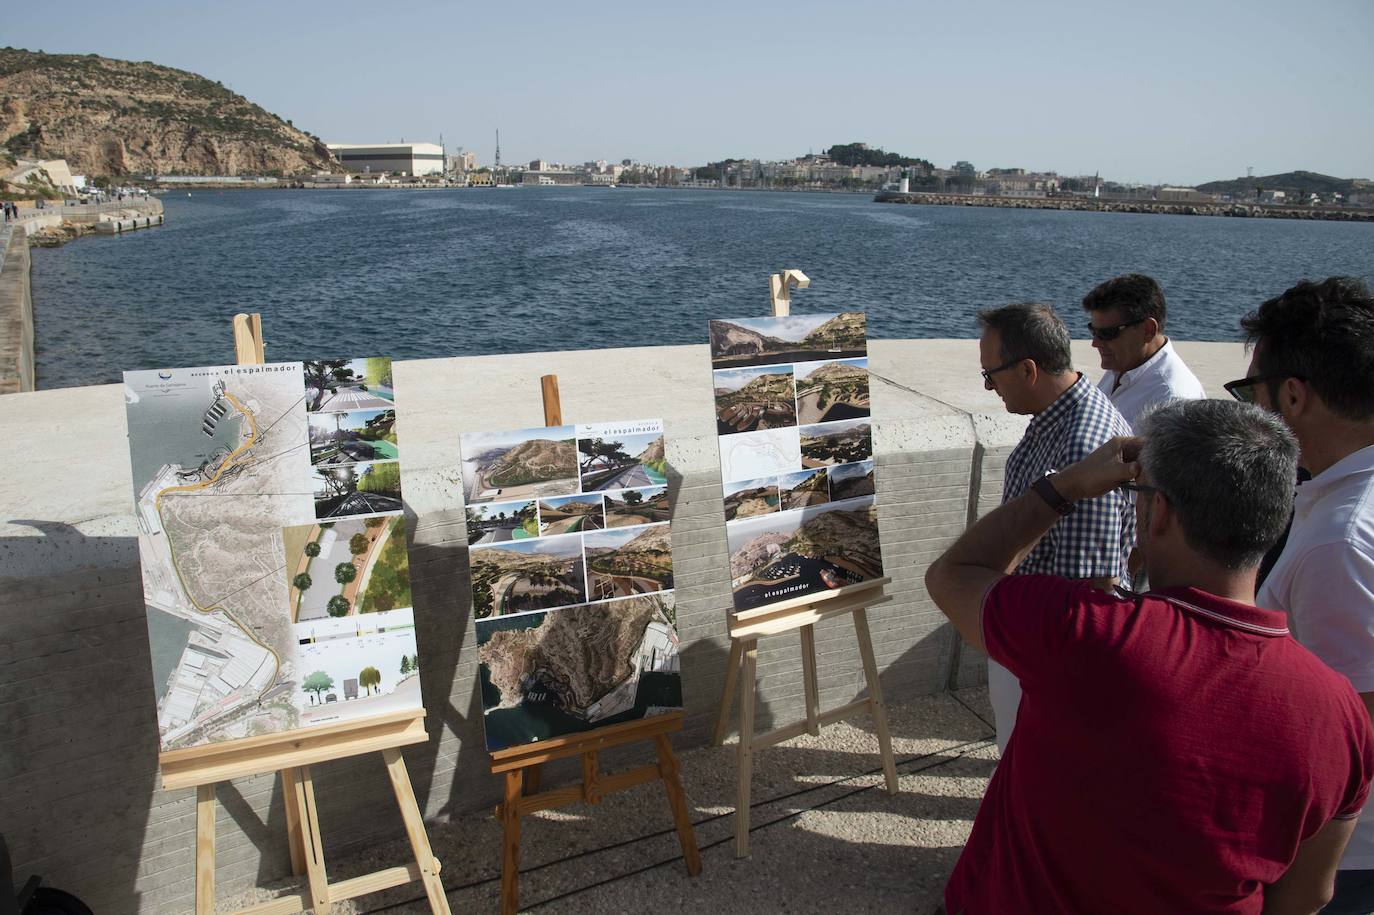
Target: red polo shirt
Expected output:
[1169,755]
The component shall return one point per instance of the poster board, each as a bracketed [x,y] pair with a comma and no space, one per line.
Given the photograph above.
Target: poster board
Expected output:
[273,547]
[572,585]
[796,455]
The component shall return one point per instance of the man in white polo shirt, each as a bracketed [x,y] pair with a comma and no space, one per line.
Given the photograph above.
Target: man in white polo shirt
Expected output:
[1313,364]
[1126,318]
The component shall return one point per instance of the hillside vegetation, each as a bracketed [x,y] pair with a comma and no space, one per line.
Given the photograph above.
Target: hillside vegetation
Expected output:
[1299,182]
[114,117]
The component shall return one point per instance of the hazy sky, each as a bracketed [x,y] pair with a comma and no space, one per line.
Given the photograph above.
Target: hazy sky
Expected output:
[1162,91]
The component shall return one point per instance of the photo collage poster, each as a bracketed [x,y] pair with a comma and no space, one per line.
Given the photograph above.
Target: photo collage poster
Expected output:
[273,546]
[572,577]
[796,455]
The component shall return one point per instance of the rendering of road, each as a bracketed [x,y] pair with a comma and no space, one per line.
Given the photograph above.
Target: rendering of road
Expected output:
[333,551]
[353,399]
[358,503]
[629,477]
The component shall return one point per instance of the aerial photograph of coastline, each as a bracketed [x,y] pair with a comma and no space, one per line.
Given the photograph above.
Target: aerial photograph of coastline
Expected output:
[795,553]
[500,466]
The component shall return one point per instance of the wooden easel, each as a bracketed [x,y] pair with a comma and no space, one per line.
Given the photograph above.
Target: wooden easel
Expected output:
[292,754]
[523,765]
[801,613]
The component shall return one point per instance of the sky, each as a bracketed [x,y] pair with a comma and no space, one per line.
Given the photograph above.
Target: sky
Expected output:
[1168,92]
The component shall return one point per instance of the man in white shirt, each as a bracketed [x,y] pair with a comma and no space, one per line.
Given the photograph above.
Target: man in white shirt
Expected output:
[1126,318]
[1313,364]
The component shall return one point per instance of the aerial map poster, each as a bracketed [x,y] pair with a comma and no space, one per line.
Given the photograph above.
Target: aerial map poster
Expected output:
[572,578]
[796,455]
[273,546]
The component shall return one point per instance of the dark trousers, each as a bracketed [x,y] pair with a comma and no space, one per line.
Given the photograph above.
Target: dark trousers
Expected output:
[1354,894]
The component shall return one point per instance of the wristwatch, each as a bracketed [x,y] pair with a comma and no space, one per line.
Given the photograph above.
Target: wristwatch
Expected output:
[1045,489]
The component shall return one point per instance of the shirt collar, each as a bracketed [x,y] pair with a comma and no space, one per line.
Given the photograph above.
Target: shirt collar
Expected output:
[1154,363]
[1354,464]
[1248,617]
[1062,406]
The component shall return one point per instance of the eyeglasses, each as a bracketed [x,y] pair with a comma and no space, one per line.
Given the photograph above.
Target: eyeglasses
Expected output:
[988,373]
[1133,486]
[1106,334]
[1243,389]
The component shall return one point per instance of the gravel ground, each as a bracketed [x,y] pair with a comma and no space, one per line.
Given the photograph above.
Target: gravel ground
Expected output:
[825,835]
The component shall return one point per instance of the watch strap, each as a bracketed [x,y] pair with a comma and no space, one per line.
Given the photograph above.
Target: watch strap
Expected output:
[1045,489]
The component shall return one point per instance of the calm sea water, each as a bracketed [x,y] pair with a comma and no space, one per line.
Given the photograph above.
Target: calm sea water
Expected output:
[441,273]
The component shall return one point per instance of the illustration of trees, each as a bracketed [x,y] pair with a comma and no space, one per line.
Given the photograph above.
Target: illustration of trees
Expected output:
[345,572]
[338,605]
[633,497]
[383,479]
[415,663]
[358,544]
[339,480]
[378,371]
[317,683]
[370,678]
[324,374]
[594,448]
[312,549]
[405,664]
[374,522]
[302,582]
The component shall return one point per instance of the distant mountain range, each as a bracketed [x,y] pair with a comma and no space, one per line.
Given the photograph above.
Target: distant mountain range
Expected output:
[116,117]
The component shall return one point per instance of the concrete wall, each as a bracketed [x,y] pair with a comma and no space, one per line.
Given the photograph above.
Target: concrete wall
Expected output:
[16,311]
[79,793]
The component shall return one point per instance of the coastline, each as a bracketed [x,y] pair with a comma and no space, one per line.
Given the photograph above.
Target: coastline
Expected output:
[1103,205]
[48,227]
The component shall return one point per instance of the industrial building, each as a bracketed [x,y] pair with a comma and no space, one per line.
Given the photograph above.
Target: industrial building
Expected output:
[405,158]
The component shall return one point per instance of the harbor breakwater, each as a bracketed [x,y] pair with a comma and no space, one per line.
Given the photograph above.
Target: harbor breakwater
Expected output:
[1162,207]
[46,227]
[80,743]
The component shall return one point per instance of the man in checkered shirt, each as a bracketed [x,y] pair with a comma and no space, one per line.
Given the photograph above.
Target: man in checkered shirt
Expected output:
[1024,351]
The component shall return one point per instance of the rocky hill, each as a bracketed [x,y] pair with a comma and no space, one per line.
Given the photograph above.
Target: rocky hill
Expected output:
[115,117]
[1293,183]
[535,461]
[845,330]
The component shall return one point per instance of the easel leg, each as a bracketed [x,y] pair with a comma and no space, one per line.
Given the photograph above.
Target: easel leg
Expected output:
[744,756]
[415,830]
[205,850]
[672,782]
[295,831]
[313,847]
[533,778]
[510,844]
[727,697]
[875,699]
[813,691]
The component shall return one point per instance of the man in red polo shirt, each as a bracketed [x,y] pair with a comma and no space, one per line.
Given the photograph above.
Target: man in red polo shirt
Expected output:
[1176,751]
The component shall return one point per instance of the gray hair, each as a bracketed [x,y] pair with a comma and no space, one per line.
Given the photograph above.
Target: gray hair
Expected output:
[1030,330]
[1228,469]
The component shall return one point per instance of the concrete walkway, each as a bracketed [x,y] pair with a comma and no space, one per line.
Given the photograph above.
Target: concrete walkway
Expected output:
[826,836]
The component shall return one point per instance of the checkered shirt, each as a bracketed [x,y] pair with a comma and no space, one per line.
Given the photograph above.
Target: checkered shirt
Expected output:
[1096,540]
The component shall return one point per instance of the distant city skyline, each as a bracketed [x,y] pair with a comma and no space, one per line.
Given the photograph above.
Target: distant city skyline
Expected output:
[1176,93]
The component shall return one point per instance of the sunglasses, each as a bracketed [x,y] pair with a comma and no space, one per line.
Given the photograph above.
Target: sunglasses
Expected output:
[988,373]
[1106,334]
[1243,389]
